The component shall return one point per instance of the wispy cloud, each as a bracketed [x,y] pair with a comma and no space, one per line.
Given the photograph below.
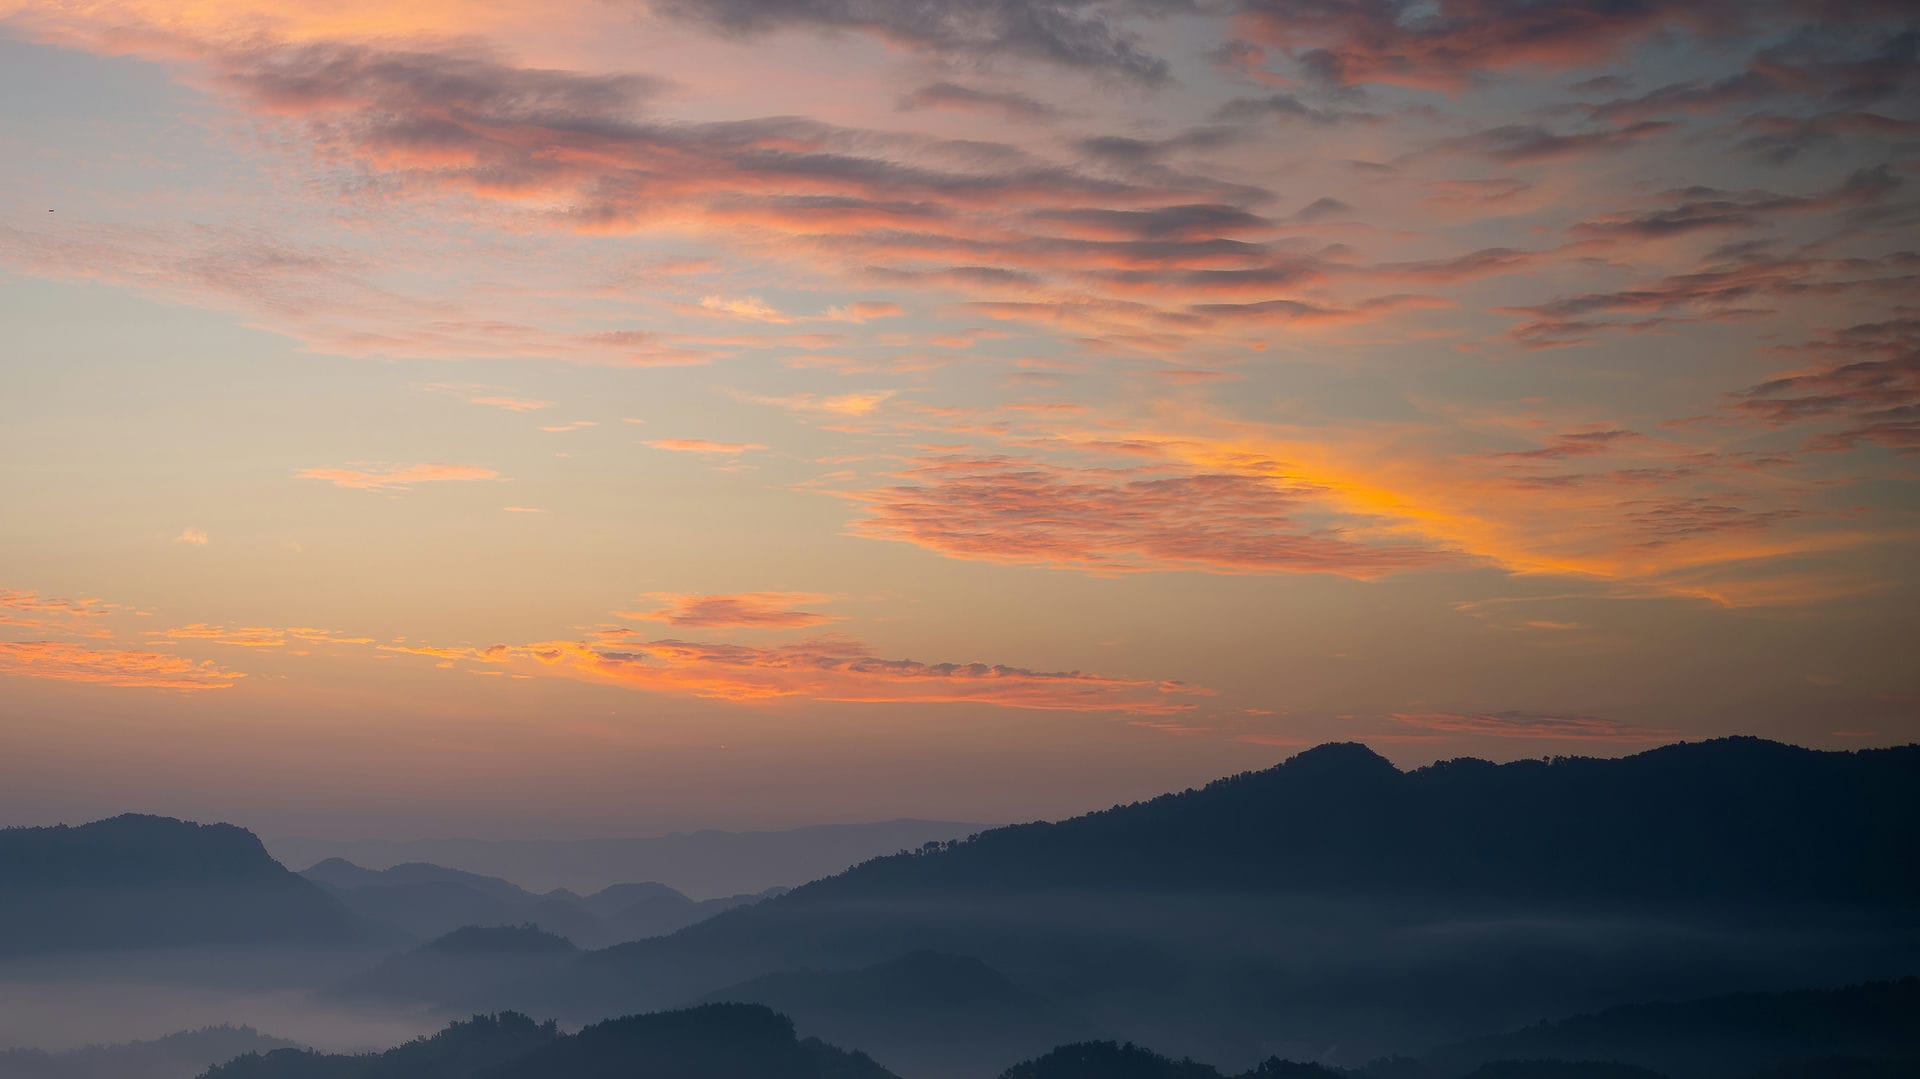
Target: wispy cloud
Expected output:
[830,668]
[702,445]
[775,610]
[65,662]
[397,477]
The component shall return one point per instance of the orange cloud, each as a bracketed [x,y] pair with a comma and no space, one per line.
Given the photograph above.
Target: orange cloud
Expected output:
[832,668]
[1021,511]
[254,636]
[701,445]
[196,537]
[576,425]
[748,609]
[396,477]
[109,666]
[511,404]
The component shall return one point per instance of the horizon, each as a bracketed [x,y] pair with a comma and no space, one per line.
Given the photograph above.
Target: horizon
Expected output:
[270,837]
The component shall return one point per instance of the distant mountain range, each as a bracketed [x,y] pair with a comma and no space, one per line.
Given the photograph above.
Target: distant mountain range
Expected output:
[154,882]
[717,1041]
[176,1056]
[424,901]
[702,864]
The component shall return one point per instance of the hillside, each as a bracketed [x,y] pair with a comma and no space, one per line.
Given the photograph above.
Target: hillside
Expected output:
[1335,907]
[155,882]
[1719,1037]
[929,1014]
[721,1041]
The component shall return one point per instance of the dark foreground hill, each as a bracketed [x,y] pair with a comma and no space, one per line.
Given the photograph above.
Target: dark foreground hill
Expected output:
[155,882]
[717,1041]
[1721,1037]
[1869,1031]
[1336,908]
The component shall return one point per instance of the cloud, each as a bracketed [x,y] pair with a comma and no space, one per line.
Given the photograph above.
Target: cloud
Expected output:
[1094,520]
[743,609]
[751,308]
[701,445]
[1082,34]
[828,668]
[20,607]
[1577,444]
[1540,726]
[840,404]
[397,477]
[64,662]
[511,404]
[1869,393]
[254,636]
[1008,104]
[1289,107]
[522,509]
[193,537]
[1530,143]
[576,425]
[1451,45]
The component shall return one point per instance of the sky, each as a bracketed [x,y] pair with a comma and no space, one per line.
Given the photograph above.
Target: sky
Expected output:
[592,418]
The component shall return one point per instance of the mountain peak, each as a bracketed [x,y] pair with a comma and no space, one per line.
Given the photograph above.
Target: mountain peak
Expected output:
[1338,759]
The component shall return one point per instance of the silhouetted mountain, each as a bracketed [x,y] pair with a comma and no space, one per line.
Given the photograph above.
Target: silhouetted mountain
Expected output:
[151,882]
[704,863]
[714,1041]
[176,1056]
[929,1014]
[1336,908]
[1734,822]
[1560,1069]
[719,1041]
[464,1050]
[423,901]
[466,964]
[1719,1037]
[1107,1060]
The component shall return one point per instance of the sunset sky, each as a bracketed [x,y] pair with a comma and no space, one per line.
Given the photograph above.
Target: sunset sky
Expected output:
[507,418]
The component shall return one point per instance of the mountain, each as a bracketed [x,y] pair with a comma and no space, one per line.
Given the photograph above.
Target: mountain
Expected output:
[1107,1060]
[176,1056]
[1722,1037]
[1735,823]
[705,863]
[930,1014]
[1866,1031]
[421,901]
[718,1041]
[155,882]
[466,964]
[1336,908]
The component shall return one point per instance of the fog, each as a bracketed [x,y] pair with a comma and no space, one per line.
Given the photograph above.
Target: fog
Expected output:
[114,997]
